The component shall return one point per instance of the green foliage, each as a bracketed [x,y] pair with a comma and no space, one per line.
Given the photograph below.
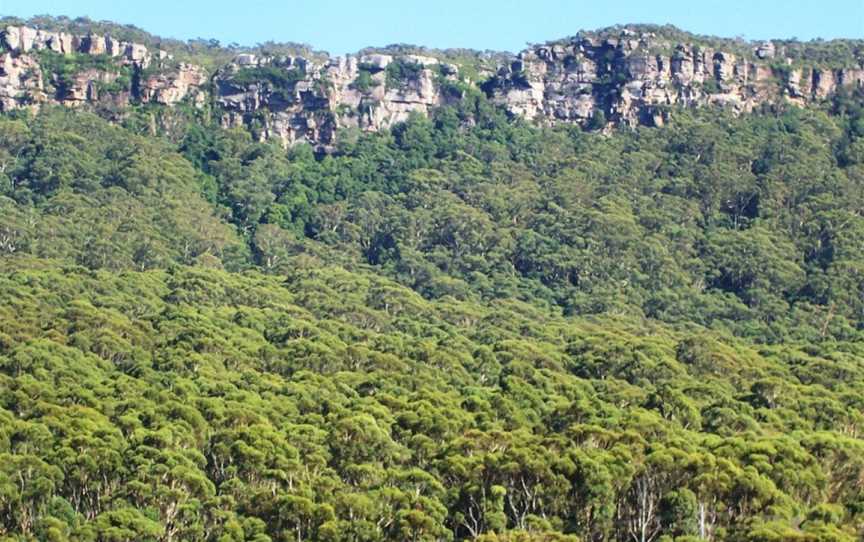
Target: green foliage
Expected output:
[711,86]
[709,220]
[122,83]
[364,81]
[81,189]
[597,121]
[196,404]
[471,64]
[277,76]
[835,53]
[64,67]
[782,71]
[208,53]
[461,328]
[401,71]
[280,80]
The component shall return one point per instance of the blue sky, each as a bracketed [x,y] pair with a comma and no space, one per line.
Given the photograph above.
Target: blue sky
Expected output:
[347,25]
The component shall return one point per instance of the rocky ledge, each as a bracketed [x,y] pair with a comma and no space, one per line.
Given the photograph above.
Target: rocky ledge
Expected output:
[626,79]
[620,78]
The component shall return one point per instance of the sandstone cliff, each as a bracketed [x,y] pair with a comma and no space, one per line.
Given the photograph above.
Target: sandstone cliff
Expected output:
[620,77]
[627,79]
[297,99]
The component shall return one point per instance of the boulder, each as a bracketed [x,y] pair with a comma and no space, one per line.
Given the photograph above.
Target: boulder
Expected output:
[172,88]
[424,61]
[765,50]
[379,62]
[245,59]
[136,53]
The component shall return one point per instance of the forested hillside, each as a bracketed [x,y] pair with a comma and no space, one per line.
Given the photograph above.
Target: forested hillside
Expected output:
[464,327]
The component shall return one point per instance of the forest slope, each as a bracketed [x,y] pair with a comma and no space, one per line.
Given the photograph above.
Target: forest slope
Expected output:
[462,327]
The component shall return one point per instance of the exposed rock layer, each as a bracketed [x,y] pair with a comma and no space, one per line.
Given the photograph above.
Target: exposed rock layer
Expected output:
[298,99]
[572,81]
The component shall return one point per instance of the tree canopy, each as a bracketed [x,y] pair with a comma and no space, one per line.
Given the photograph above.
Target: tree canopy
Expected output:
[463,328]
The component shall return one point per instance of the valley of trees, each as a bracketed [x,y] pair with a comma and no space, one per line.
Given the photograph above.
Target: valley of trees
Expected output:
[464,328]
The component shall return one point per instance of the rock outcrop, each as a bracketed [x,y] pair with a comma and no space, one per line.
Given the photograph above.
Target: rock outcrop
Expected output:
[631,84]
[313,100]
[624,78]
[20,82]
[24,83]
[21,39]
[174,85]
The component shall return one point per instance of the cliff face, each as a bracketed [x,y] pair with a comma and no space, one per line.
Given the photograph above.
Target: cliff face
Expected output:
[626,79]
[25,80]
[296,99]
[631,78]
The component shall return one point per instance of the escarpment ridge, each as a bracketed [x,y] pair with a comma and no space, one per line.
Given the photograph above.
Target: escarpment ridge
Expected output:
[630,75]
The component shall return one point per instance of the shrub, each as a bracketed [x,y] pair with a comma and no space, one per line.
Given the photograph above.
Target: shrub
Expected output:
[65,67]
[400,71]
[364,80]
[276,76]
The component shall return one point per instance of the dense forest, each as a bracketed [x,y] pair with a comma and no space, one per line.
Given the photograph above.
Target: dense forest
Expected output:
[463,328]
